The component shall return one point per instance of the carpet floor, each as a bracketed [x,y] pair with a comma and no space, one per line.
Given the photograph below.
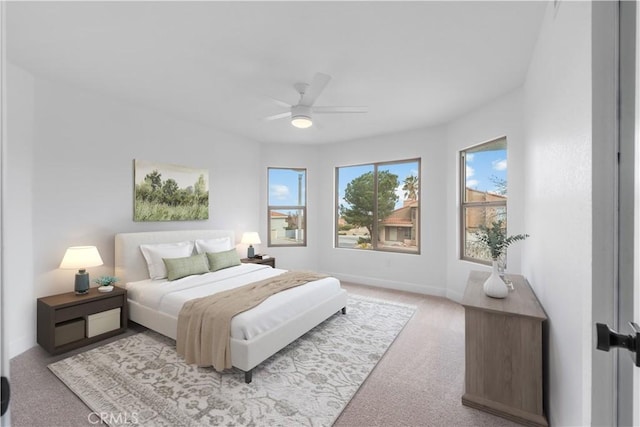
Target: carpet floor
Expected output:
[418,382]
[141,379]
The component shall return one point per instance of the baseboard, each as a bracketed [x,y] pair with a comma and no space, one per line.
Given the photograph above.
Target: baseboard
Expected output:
[19,346]
[391,284]
[454,296]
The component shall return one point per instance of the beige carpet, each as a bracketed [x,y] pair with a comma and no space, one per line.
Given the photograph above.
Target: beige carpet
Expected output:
[418,382]
[141,379]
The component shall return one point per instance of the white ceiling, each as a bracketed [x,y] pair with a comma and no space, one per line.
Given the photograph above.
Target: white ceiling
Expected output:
[414,64]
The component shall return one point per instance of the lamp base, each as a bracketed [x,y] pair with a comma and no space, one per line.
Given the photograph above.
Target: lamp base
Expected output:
[82,283]
[250,252]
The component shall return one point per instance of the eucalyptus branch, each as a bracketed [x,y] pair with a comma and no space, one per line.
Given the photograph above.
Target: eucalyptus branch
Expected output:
[495,239]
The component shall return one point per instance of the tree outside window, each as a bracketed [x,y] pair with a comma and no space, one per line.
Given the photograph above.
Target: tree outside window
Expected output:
[378,206]
[287,210]
[483,194]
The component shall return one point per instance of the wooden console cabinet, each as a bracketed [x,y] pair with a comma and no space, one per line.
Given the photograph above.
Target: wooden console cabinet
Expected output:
[503,351]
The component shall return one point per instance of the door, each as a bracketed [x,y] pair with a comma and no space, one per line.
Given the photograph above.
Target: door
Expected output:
[618,385]
[629,215]
[4,360]
[627,282]
[632,311]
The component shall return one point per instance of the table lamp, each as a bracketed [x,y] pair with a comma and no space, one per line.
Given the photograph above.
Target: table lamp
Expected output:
[81,257]
[250,238]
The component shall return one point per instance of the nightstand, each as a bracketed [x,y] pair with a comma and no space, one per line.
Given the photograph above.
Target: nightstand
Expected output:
[268,261]
[68,321]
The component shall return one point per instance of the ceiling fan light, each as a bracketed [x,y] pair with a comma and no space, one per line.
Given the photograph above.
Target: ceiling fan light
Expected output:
[301,121]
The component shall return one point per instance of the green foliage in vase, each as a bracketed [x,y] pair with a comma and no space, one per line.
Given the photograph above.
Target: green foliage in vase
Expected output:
[106,280]
[495,238]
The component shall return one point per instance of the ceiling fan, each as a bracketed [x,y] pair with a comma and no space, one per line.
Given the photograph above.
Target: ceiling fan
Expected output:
[302,113]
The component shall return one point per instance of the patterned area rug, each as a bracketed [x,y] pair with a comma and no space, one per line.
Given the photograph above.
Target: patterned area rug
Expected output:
[140,380]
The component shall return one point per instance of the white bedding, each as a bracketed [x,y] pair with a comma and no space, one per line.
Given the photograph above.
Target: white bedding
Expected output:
[168,297]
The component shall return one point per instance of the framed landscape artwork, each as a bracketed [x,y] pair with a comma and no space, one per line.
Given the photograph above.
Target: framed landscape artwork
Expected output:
[166,192]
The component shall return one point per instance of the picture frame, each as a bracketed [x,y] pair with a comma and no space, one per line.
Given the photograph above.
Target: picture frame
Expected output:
[169,192]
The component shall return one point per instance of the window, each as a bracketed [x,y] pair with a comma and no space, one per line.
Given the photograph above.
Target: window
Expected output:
[287,210]
[378,206]
[483,194]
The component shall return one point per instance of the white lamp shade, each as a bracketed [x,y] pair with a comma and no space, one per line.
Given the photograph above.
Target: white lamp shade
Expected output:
[250,238]
[80,257]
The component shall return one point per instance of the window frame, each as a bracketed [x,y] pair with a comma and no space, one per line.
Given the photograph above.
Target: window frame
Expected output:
[464,204]
[374,237]
[301,208]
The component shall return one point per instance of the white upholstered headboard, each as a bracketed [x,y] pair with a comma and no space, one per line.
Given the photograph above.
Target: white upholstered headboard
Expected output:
[131,265]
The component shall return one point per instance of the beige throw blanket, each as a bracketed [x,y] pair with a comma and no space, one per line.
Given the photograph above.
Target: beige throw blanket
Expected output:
[204,324]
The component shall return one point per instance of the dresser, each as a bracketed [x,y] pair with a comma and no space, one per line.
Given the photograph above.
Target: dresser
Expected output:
[504,351]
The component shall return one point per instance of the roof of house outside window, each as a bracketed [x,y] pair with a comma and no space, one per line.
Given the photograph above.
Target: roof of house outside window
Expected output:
[401,217]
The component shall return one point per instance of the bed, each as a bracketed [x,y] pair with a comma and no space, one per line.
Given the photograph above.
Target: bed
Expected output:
[256,334]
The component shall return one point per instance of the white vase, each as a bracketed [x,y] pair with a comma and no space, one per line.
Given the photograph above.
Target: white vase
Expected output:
[494,285]
[105,288]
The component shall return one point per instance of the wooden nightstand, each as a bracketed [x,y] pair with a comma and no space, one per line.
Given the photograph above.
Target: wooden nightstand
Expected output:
[68,321]
[268,261]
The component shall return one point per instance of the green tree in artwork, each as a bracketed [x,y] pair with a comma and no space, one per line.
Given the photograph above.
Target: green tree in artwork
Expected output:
[143,190]
[154,179]
[360,200]
[200,187]
[169,191]
[158,200]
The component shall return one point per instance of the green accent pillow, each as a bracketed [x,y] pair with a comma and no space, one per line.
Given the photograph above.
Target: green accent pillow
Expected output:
[220,260]
[178,268]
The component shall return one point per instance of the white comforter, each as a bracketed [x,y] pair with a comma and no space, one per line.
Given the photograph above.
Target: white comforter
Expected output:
[167,297]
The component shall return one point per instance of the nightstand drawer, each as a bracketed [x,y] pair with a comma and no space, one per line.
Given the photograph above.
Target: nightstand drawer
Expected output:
[81,310]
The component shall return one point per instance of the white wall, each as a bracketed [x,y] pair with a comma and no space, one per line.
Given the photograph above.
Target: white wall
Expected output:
[503,117]
[558,165]
[18,262]
[79,172]
[438,269]
[423,273]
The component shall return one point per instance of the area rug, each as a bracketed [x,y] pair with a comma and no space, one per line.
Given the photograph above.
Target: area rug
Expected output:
[140,380]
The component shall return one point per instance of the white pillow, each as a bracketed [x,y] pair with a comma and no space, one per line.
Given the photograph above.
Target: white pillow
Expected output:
[153,254]
[213,245]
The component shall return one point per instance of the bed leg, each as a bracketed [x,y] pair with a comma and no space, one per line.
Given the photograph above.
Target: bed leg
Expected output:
[248,376]
[344,310]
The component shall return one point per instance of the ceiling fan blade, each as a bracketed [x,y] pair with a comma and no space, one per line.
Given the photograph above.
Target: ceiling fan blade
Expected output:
[320,81]
[278,116]
[281,103]
[328,110]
